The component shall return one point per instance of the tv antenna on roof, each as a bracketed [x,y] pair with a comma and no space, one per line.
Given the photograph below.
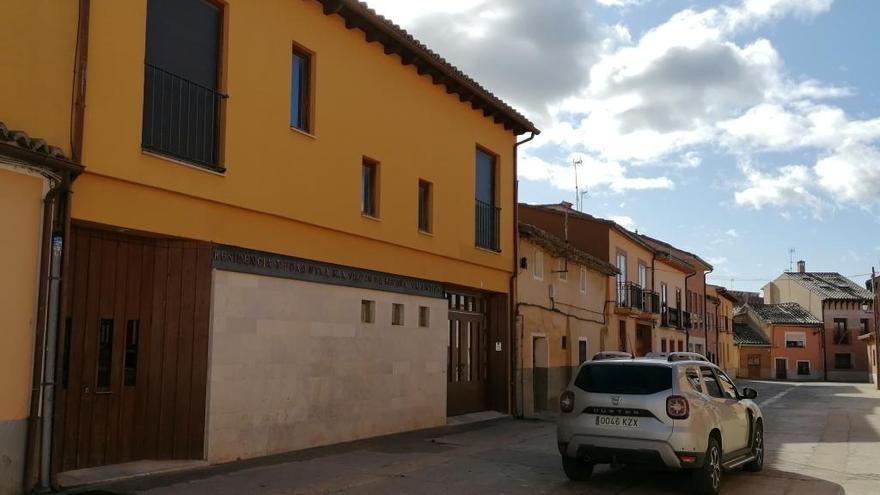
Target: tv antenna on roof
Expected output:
[791,252]
[577,192]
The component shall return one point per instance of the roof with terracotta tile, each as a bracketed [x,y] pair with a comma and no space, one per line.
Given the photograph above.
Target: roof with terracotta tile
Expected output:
[397,40]
[830,285]
[784,314]
[22,140]
[744,334]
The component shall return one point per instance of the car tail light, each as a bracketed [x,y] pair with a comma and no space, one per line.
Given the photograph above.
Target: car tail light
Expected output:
[566,402]
[677,407]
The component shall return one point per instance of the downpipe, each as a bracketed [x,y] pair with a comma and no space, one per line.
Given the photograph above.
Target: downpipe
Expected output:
[49,360]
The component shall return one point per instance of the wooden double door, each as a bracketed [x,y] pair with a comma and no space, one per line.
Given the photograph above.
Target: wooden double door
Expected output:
[467,369]
[133,350]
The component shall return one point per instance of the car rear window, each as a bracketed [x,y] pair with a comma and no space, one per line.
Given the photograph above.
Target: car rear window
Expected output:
[633,379]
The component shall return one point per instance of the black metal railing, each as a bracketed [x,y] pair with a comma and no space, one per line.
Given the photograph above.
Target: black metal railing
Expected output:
[632,295]
[685,319]
[487,219]
[181,118]
[673,319]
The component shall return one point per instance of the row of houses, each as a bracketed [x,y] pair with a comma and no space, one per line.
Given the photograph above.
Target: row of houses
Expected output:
[810,325]
[587,284]
[239,230]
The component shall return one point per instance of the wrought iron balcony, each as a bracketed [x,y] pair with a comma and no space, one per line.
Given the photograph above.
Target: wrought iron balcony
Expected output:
[686,320]
[181,118]
[633,296]
[487,219]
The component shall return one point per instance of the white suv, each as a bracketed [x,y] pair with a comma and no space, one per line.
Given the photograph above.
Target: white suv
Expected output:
[676,410]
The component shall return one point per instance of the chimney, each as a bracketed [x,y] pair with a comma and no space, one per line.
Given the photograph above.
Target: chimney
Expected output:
[802,266]
[566,205]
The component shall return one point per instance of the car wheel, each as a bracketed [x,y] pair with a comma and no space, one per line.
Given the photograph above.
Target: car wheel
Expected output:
[757,449]
[576,469]
[707,479]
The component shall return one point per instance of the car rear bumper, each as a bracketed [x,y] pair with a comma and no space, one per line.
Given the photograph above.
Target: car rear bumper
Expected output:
[603,450]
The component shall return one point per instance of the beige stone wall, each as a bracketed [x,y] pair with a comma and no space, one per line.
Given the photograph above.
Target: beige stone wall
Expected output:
[292,366]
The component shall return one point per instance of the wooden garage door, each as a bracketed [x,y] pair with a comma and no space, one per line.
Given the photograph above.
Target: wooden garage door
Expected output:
[134,346]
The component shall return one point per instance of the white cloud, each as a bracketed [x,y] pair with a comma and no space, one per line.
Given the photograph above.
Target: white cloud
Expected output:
[789,185]
[624,221]
[717,261]
[851,174]
[618,3]
[591,174]
[732,233]
[702,79]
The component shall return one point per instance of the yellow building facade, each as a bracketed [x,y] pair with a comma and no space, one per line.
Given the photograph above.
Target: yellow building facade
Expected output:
[561,317]
[334,193]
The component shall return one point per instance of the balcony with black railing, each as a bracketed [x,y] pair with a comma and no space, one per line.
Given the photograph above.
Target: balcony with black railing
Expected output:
[181,118]
[487,219]
[632,297]
[686,320]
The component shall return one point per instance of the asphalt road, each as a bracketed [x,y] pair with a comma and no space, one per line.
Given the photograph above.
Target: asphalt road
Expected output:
[822,438]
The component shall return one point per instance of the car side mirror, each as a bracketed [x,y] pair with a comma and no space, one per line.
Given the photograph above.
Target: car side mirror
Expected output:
[749,393]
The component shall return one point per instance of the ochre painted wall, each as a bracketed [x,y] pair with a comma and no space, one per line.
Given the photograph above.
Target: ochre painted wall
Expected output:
[21,216]
[635,253]
[538,320]
[38,39]
[285,191]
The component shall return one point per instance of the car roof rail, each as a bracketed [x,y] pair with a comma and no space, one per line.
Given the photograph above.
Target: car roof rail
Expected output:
[657,355]
[605,355]
[686,356]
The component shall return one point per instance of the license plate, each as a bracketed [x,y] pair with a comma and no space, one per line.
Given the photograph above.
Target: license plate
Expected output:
[617,421]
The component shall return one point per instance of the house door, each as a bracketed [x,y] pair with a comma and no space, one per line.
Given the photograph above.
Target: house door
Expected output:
[467,372]
[781,371]
[134,348]
[754,363]
[643,340]
[539,372]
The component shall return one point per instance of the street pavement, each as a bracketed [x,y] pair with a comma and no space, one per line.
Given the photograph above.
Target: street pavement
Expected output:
[822,438]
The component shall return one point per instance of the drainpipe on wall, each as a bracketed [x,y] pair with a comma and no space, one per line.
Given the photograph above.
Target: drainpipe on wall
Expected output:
[687,307]
[824,346]
[515,404]
[58,259]
[705,316]
[876,289]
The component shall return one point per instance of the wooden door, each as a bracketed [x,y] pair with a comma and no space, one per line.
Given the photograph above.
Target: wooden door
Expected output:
[754,363]
[781,369]
[134,350]
[643,340]
[467,369]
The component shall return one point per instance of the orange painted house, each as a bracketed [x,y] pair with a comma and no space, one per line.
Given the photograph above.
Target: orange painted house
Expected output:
[795,338]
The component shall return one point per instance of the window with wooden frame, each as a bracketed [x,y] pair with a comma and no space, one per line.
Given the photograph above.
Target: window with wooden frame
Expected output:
[562,269]
[426,203]
[301,90]
[370,188]
[841,333]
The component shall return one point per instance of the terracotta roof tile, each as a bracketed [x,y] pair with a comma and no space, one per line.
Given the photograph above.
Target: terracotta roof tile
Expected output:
[785,314]
[22,140]
[744,334]
[831,285]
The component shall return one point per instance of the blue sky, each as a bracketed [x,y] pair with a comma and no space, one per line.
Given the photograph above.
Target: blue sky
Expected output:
[737,130]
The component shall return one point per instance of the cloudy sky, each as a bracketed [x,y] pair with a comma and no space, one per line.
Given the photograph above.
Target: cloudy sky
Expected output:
[738,129]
